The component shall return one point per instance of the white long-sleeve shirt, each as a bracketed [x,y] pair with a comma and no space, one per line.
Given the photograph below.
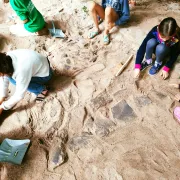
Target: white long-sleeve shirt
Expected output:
[27,64]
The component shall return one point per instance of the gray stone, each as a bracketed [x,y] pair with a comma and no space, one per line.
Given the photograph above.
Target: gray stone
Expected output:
[122,111]
[142,101]
[79,142]
[99,127]
[57,154]
[103,127]
[101,100]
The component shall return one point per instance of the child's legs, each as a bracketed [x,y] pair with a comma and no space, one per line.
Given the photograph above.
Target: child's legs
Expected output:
[161,52]
[36,84]
[96,10]
[111,17]
[150,48]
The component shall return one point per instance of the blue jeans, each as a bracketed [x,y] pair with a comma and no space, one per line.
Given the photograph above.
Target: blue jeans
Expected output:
[36,84]
[160,50]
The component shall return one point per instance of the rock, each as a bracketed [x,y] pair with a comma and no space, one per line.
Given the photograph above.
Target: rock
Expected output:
[101,100]
[57,156]
[103,127]
[142,101]
[99,127]
[77,116]
[86,88]
[122,111]
[76,143]
[57,153]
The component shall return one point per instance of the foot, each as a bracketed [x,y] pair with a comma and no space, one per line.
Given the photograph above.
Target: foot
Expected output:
[155,68]
[93,34]
[40,97]
[106,39]
[144,65]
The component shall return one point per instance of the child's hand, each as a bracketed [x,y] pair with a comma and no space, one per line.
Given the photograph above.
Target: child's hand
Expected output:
[164,74]
[136,73]
[177,97]
[174,85]
[25,21]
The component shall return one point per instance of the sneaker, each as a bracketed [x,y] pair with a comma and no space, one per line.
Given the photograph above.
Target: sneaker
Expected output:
[144,65]
[154,69]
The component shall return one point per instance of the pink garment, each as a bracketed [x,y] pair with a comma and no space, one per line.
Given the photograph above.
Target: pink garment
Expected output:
[177,114]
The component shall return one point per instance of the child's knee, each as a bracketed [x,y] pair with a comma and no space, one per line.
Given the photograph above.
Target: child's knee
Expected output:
[108,11]
[92,6]
[160,48]
[151,43]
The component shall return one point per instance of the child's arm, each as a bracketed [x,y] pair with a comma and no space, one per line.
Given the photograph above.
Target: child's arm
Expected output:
[125,13]
[4,82]
[142,49]
[22,83]
[173,57]
[22,16]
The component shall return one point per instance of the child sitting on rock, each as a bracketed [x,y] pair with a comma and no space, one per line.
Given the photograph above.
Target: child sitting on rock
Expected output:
[162,40]
[26,69]
[114,12]
[32,20]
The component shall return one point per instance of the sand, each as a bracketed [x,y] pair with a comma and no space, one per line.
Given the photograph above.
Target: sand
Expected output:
[97,126]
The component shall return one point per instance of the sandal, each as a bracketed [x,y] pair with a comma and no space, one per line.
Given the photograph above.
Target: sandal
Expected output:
[40,97]
[106,39]
[58,33]
[93,34]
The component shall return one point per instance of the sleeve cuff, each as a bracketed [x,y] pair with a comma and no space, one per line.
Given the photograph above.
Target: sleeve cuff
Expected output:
[137,66]
[165,68]
[3,107]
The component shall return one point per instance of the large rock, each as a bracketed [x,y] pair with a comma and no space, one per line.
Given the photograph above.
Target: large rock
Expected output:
[122,111]
[101,100]
[57,153]
[99,127]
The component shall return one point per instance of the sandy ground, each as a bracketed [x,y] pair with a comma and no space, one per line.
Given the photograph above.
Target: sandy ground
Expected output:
[100,126]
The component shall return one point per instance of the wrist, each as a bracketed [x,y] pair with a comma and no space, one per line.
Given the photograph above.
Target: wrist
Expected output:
[137,66]
[165,68]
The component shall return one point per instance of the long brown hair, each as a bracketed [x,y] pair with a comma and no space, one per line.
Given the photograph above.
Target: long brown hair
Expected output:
[6,66]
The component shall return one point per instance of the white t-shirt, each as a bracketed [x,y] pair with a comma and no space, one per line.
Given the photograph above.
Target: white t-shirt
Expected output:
[27,64]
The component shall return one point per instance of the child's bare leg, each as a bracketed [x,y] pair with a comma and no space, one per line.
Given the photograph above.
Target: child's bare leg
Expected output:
[96,10]
[110,18]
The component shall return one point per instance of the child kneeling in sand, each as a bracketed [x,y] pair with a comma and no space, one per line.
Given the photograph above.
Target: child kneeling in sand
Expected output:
[26,69]
[114,12]
[163,40]
[32,20]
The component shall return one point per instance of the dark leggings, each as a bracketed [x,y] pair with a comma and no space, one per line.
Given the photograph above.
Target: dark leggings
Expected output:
[160,50]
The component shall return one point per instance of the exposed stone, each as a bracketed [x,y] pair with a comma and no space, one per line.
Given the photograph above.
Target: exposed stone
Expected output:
[122,111]
[142,101]
[101,100]
[79,142]
[57,153]
[86,88]
[99,127]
